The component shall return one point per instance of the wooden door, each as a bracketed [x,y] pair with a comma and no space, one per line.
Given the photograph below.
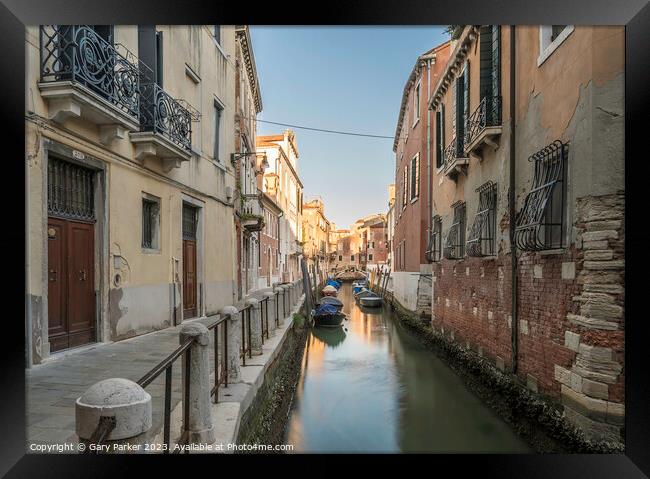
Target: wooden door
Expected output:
[189,278]
[190,221]
[71,290]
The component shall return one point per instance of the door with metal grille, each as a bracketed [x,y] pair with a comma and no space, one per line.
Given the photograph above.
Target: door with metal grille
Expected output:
[71,254]
[190,216]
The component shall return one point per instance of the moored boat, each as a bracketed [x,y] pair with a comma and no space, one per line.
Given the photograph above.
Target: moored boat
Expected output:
[371,301]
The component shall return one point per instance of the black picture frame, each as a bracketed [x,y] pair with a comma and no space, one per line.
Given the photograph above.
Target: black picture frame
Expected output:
[634,14]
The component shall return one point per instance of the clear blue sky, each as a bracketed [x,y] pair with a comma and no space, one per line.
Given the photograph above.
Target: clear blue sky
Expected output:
[339,78]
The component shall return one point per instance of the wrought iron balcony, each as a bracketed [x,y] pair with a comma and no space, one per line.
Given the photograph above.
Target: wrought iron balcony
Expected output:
[165,127]
[455,157]
[166,116]
[484,125]
[83,75]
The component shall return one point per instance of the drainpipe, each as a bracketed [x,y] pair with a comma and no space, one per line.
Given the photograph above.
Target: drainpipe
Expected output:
[428,153]
[511,206]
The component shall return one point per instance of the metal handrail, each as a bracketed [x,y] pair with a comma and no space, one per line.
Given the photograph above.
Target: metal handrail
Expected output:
[223,367]
[166,365]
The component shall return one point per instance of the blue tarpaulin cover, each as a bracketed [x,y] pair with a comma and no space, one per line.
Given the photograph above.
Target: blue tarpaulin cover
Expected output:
[325,308]
[333,283]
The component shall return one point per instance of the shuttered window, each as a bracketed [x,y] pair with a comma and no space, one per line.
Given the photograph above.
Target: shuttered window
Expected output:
[415,177]
[440,136]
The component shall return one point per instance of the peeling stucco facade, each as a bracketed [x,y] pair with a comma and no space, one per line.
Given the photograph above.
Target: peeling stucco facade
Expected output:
[570,314]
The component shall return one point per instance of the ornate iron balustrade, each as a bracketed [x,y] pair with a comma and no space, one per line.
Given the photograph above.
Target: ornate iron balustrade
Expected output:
[540,222]
[162,114]
[483,231]
[487,114]
[454,151]
[79,54]
[455,243]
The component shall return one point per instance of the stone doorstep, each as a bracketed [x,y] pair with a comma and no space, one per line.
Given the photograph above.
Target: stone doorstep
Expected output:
[595,409]
[226,415]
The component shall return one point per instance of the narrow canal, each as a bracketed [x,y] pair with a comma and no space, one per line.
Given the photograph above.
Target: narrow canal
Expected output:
[370,386]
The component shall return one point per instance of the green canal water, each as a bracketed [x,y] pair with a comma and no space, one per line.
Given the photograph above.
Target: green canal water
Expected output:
[370,386]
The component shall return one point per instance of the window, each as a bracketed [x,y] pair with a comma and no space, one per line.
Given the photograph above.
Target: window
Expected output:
[482,235]
[370,257]
[415,177]
[462,110]
[556,30]
[70,190]
[435,240]
[416,105]
[351,257]
[217,34]
[150,52]
[551,37]
[150,222]
[440,136]
[405,186]
[340,258]
[218,111]
[540,222]
[488,112]
[455,244]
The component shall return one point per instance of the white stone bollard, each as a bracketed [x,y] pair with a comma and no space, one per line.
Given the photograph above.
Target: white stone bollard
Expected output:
[199,425]
[255,325]
[125,403]
[234,342]
[270,311]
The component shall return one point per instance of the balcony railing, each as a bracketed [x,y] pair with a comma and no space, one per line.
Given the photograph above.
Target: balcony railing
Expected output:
[78,54]
[454,155]
[162,114]
[488,114]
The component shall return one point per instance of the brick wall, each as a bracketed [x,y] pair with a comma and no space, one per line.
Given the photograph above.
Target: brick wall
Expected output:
[570,313]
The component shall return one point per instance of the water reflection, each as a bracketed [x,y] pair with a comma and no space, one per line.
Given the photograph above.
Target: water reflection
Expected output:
[371,387]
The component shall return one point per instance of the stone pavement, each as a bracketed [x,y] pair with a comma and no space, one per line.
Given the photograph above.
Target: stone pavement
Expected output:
[53,387]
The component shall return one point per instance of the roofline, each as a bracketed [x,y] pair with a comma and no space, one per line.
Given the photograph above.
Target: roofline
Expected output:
[295,173]
[243,33]
[269,199]
[468,35]
[430,54]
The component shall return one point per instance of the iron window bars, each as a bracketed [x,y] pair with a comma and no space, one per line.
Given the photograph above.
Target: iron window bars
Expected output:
[455,244]
[79,54]
[434,249]
[70,190]
[190,220]
[487,114]
[540,222]
[482,234]
[150,211]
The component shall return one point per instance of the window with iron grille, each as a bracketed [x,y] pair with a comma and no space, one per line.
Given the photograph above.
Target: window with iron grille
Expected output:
[482,234]
[70,190]
[540,222]
[150,223]
[190,220]
[434,250]
[455,243]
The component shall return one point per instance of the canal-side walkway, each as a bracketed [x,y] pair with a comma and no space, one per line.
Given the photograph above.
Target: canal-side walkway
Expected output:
[53,387]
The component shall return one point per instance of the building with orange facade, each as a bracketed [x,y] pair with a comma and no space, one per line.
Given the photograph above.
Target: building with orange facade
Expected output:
[526,237]
[411,277]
